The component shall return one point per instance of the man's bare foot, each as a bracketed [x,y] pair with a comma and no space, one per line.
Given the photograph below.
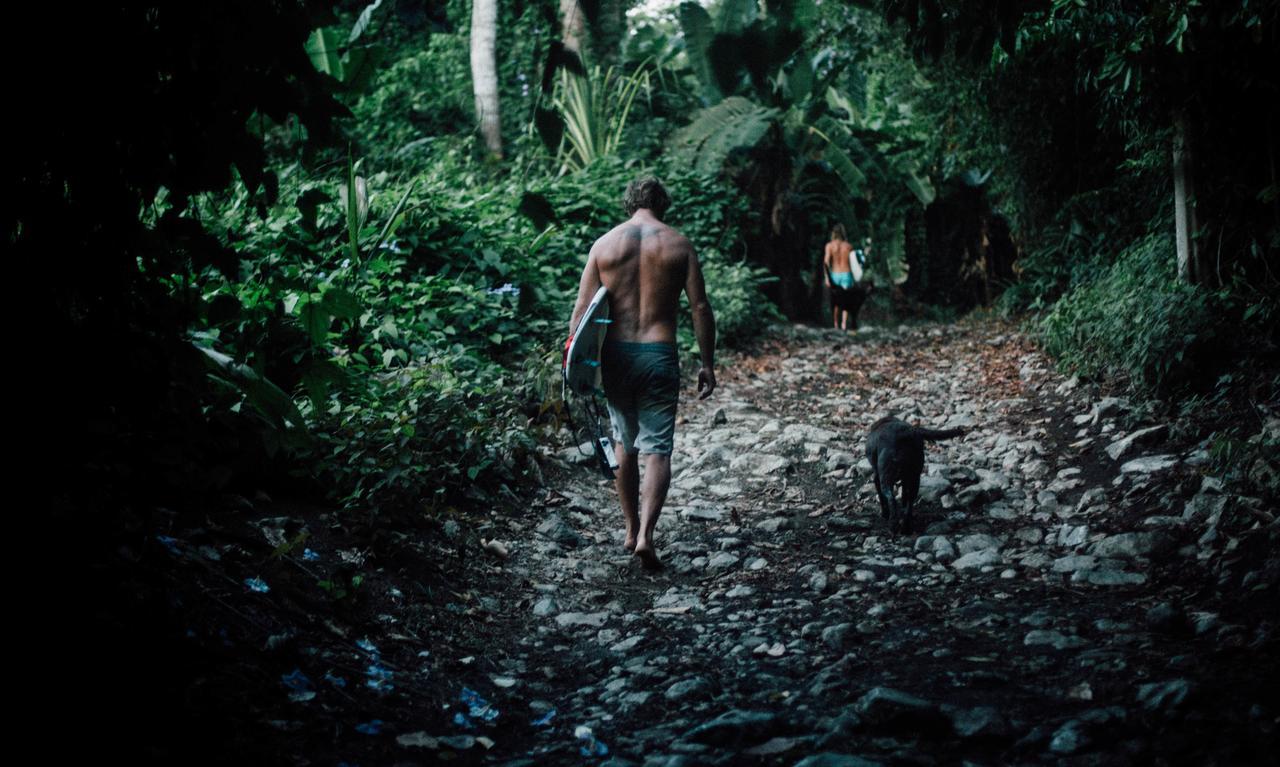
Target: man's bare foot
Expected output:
[630,544]
[648,557]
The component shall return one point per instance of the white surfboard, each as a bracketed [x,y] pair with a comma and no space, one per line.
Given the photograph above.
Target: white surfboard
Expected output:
[582,362]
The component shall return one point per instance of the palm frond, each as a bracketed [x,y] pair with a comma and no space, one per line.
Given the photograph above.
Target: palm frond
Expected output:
[699,31]
[888,253]
[594,111]
[831,132]
[717,130]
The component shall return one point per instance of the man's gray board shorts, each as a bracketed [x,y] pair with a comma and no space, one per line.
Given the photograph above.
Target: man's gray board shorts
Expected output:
[642,386]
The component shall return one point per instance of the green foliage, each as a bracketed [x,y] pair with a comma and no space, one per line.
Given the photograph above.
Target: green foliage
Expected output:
[416,323]
[698,33]
[593,111]
[1136,322]
[1250,461]
[342,586]
[101,228]
[421,94]
[785,120]
[1077,246]
[736,292]
[344,56]
[734,123]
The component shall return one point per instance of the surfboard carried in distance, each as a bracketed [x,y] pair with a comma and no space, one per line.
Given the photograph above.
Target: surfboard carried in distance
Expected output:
[582,360]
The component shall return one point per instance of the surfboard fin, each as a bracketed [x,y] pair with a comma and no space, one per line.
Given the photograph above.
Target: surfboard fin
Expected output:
[605,458]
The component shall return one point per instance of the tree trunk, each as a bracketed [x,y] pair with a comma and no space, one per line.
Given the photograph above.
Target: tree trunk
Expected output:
[608,31]
[484,72]
[1183,205]
[572,25]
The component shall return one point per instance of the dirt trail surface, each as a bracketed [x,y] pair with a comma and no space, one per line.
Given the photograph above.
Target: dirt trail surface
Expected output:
[1077,590]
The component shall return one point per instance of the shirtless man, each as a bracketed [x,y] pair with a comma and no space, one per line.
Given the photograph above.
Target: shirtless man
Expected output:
[843,269]
[645,264]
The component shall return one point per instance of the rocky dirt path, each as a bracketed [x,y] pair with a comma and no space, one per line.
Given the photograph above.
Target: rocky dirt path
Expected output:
[1077,590]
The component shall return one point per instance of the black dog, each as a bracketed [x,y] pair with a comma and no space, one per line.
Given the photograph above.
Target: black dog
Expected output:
[895,450]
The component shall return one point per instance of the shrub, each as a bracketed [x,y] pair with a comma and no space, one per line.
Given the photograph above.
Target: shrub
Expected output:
[1137,322]
[425,93]
[734,290]
[424,361]
[408,437]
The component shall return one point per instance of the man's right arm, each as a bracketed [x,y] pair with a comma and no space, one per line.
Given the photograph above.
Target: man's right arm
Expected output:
[704,325]
[587,287]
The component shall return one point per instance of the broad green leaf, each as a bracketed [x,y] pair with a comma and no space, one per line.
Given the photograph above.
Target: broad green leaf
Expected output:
[267,398]
[852,176]
[921,188]
[727,56]
[317,387]
[799,79]
[696,24]
[315,320]
[360,65]
[341,303]
[323,46]
[733,16]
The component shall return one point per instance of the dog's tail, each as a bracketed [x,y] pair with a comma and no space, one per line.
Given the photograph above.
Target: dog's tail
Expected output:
[936,434]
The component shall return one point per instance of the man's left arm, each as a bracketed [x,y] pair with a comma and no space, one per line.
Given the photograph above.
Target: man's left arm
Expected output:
[704,323]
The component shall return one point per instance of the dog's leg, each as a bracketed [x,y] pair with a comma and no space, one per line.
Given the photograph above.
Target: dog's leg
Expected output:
[884,507]
[889,500]
[904,514]
[910,491]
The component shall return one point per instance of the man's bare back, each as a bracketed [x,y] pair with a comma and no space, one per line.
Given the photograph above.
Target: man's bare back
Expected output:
[645,264]
[837,255]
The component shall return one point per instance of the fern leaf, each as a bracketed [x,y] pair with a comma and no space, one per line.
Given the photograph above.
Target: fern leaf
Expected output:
[716,131]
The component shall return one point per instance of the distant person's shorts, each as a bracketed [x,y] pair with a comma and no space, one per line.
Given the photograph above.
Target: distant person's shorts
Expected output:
[842,279]
[642,386]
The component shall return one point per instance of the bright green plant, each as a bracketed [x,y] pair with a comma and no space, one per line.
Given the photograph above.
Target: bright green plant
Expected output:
[343,55]
[594,110]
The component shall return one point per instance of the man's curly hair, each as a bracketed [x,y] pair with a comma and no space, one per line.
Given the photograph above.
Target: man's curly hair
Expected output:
[646,192]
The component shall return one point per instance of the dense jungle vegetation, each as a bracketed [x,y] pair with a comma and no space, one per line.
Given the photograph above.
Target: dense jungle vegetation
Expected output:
[285,244]
[328,250]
